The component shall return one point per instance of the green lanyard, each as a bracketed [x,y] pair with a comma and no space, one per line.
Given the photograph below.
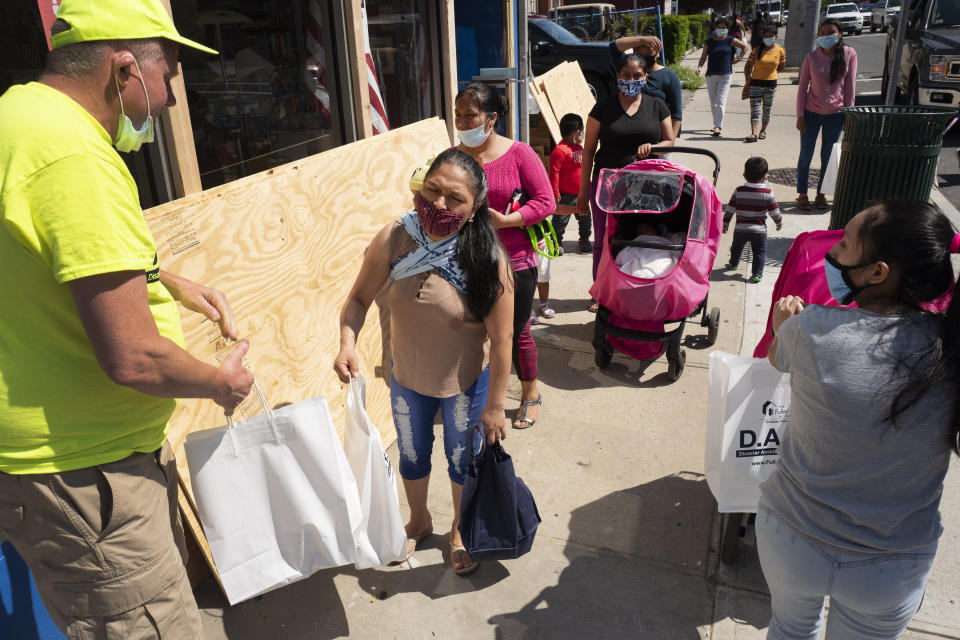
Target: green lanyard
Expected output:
[543,230]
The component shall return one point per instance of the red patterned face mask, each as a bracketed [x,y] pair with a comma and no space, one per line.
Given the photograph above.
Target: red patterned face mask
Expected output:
[437,222]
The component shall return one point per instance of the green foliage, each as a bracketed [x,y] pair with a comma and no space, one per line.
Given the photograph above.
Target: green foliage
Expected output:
[698,25]
[675,33]
[688,76]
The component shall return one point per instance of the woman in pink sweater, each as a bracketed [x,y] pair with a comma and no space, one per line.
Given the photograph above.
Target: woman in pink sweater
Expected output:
[827,83]
[510,165]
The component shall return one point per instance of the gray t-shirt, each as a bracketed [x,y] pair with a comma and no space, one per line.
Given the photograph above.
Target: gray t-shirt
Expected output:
[846,478]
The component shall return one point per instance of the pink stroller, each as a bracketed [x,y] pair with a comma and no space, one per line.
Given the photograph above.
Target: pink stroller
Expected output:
[683,208]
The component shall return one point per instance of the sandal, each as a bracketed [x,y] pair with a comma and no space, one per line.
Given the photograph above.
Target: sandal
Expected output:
[821,201]
[465,569]
[417,539]
[762,136]
[803,202]
[525,422]
[546,311]
[715,132]
[593,306]
[750,138]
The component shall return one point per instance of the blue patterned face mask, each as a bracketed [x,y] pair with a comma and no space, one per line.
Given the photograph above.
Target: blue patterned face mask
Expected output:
[631,88]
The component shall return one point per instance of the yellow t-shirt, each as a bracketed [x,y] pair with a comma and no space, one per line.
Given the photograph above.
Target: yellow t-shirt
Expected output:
[69,208]
[765,64]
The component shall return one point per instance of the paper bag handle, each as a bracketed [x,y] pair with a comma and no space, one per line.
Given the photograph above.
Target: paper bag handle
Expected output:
[266,405]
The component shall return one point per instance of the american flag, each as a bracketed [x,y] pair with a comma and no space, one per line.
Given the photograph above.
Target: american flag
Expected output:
[315,71]
[378,114]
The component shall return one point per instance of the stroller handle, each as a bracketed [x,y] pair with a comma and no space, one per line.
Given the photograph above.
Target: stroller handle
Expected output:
[701,152]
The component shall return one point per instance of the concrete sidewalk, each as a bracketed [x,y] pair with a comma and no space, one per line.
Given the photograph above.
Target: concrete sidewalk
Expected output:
[628,544]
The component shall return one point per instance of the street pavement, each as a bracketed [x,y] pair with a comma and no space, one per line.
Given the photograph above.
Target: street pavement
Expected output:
[630,533]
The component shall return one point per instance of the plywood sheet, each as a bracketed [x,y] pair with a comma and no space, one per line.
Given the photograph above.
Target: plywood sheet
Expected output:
[565,93]
[546,111]
[285,247]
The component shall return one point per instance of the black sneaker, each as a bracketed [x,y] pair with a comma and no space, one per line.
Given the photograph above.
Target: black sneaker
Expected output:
[585,246]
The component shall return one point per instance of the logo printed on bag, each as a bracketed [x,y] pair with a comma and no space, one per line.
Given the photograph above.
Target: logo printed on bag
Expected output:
[764,441]
[386,461]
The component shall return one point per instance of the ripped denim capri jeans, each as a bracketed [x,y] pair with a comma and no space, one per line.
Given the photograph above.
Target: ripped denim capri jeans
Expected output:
[413,415]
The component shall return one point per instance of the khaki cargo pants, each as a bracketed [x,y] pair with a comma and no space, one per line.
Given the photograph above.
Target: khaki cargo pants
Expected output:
[106,548]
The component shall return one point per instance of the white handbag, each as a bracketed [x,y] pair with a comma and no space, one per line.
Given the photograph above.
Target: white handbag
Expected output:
[381,538]
[276,497]
[748,411]
[831,171]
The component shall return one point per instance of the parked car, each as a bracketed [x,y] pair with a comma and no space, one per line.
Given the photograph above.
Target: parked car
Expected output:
[882,13]
[847,14]
[583,20]
[551,44]
[784,16]
[929,69]
[771,7]
[865,9]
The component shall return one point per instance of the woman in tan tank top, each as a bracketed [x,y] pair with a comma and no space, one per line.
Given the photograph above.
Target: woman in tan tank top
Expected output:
[450,299]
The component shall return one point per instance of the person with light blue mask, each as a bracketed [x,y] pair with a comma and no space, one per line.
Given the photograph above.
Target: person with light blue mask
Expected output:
[852,510]
[718,53]
[620,129]
[761,70]
[828,80]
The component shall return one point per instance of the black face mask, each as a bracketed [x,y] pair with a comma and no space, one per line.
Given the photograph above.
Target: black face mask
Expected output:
[651,60]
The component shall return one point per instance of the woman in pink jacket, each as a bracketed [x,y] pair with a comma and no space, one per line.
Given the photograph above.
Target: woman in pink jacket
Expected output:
[827,83]
[510,165]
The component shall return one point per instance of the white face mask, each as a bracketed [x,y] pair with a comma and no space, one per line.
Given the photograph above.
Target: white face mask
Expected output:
[128,137]
[474,137]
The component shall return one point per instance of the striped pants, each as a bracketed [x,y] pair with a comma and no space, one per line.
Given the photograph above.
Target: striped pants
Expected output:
[758,96]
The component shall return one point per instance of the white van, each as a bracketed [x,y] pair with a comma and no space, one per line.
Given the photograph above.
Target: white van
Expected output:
[773,7]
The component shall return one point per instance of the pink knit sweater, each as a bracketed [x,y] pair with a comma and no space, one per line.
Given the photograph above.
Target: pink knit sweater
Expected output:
[520,168]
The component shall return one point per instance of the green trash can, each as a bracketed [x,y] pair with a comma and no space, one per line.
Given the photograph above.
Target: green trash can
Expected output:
[888,152]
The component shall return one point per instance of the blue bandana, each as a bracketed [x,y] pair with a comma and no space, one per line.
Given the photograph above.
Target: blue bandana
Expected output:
[428,255]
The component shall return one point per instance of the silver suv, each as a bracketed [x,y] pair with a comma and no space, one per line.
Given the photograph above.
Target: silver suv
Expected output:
[847,14]
[882,12]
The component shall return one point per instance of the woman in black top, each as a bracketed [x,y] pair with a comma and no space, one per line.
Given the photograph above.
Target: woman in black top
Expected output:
[628,126]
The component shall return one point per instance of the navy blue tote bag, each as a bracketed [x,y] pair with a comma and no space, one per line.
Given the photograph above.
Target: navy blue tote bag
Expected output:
[498,517]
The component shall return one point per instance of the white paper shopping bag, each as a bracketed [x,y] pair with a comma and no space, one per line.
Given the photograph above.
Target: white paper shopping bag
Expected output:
[381,537]
[831,171]
[276,497]
[748,411]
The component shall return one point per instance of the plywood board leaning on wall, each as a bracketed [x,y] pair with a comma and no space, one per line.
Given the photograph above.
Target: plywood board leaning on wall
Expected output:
[285,247]
[560,91]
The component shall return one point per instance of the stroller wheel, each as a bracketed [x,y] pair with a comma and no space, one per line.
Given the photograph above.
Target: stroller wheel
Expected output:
[603,357]
[730,540]
[713,326]
[675,364]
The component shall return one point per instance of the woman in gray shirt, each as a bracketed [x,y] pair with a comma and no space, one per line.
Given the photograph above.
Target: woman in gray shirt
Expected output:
[852,510]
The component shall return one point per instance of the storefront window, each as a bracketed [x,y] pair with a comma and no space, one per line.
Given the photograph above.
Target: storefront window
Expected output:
[403,46]
[273,95]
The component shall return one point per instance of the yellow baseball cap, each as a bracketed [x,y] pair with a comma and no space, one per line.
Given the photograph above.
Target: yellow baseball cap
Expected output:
[91,20]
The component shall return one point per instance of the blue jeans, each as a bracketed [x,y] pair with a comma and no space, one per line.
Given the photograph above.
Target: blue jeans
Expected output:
[413,415]
[832,125]
[871,597]
[758,243]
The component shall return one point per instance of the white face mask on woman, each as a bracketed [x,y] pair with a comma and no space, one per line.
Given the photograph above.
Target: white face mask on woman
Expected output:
[474,137]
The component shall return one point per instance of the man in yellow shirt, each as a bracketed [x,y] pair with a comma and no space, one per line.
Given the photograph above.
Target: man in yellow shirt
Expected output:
[91,350]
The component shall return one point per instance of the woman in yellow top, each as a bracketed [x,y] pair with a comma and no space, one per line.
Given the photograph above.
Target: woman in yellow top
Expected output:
[761,72]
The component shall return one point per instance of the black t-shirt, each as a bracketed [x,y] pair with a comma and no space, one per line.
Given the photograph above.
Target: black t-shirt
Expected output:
[620,134]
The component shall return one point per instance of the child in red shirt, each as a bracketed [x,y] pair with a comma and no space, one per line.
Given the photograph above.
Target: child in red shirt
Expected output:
[564,172]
